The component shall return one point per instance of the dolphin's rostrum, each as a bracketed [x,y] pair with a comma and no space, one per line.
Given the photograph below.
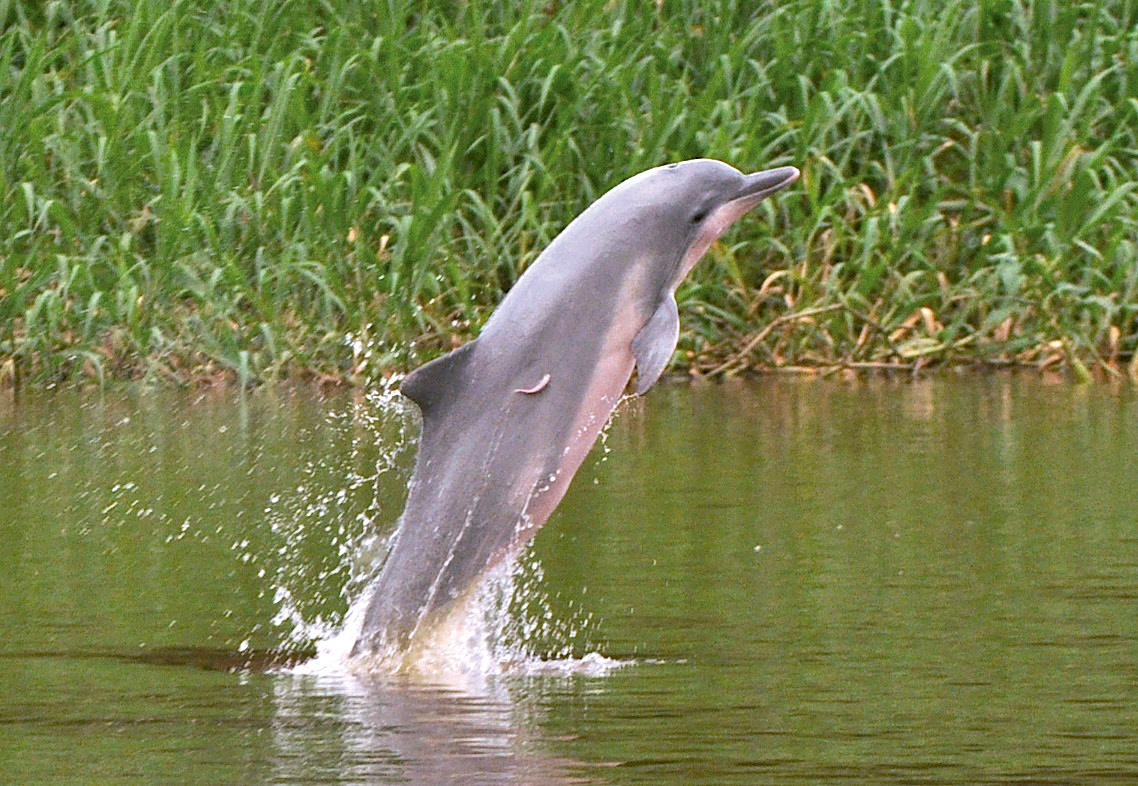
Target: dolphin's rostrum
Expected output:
[509,417]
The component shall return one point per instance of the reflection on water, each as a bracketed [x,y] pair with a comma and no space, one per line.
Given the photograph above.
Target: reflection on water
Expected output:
[865,583]
[377,730]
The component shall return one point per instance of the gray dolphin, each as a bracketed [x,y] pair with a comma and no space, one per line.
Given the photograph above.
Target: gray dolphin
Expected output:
[509,417]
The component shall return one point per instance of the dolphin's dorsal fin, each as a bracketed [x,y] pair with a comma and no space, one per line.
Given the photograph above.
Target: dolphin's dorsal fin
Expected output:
[655,343]
[432,383]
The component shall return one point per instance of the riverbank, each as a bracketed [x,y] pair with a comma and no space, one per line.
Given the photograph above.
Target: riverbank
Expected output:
[248,192]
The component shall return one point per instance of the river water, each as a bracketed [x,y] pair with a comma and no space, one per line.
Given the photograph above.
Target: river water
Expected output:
[778,582]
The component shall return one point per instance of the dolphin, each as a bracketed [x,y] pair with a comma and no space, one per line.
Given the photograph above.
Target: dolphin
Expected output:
[508,418]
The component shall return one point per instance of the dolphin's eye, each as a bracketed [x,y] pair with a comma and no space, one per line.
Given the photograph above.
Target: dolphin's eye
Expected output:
[699,217]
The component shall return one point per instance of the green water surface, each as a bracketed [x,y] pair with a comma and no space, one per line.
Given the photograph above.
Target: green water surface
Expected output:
[911,583]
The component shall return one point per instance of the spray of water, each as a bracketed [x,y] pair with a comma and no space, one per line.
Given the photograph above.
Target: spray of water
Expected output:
[503,626]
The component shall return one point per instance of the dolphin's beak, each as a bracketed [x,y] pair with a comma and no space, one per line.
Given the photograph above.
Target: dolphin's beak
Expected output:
[762,184]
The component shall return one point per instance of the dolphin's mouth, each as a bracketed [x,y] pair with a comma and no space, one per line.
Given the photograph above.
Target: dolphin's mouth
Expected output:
[754,188]
[760,185]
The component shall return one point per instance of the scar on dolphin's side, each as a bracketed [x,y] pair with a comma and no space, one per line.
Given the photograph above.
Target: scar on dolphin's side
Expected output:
[597,305]
[540,386]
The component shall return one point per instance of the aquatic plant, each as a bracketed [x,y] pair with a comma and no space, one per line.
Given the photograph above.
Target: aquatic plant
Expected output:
[245,190]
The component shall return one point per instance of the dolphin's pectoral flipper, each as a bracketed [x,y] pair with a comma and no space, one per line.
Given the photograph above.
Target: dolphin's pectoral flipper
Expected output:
[655,343]
[431,384]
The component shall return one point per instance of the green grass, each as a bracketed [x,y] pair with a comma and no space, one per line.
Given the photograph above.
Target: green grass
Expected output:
[255,190]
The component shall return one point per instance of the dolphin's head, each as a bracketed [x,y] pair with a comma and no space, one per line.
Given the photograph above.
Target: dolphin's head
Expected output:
[634,245]
[680,209]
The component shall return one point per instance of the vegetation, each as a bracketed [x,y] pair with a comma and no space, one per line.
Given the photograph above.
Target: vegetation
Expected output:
[201,189]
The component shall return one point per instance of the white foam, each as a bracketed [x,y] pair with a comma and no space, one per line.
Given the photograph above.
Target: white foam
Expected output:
[492,632]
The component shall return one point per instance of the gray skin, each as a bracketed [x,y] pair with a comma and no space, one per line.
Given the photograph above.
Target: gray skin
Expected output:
[509,417]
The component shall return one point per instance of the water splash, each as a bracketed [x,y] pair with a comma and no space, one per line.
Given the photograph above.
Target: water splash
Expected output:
[350,500]
[504,626]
